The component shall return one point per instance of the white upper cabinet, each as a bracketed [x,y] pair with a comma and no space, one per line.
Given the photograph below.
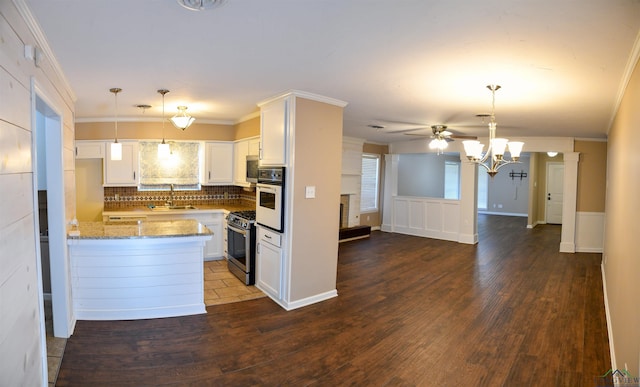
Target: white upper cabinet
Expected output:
[242,149]
[254,146]
[218,163]
[274,128]
[122,173]
[240,152]
[89,149]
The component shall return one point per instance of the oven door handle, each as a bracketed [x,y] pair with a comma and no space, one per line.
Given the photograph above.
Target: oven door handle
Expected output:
[268,188]
[238,230]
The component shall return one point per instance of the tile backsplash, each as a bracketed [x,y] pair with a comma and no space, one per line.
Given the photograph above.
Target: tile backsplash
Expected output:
[118,198]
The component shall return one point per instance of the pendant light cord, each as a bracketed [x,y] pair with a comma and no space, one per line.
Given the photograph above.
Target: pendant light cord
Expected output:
[163,92]
[115,92]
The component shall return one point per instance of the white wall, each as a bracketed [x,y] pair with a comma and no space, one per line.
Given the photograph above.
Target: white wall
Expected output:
[22,346]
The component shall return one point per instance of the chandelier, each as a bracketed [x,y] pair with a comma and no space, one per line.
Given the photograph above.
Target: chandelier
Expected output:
[182,120]
[493,159]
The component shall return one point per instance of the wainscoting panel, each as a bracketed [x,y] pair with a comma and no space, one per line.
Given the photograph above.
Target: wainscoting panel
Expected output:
[589,232]
[428,217]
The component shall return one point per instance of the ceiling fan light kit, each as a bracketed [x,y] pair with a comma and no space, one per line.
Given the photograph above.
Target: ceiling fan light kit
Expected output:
[440,135]
[493,159]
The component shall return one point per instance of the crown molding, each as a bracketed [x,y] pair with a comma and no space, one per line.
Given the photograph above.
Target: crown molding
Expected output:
[43,44]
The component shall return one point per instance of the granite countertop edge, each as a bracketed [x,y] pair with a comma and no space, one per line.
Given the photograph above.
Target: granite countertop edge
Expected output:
[147,229]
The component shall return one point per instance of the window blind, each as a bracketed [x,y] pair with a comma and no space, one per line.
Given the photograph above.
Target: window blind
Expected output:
[370,183]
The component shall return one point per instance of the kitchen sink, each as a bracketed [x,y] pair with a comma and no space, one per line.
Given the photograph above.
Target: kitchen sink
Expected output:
[169,208]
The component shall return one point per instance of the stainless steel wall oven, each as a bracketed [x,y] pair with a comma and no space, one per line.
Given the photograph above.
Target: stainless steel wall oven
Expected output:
[270,198]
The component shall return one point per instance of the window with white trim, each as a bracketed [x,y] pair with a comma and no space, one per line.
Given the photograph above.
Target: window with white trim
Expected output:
[483,189]
[370,185]
[452,180]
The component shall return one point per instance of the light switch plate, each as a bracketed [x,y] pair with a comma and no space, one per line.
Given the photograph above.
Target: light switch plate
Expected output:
[310,192]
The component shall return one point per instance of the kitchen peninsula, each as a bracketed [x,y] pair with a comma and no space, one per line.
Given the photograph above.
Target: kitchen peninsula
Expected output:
[137,269]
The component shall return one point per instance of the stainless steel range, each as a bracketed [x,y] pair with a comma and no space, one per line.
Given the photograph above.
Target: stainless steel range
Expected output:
[241,245]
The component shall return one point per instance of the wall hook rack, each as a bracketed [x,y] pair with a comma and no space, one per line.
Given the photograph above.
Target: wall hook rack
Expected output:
[522,174]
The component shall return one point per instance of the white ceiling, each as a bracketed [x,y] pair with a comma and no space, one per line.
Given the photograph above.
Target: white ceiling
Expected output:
[561,63]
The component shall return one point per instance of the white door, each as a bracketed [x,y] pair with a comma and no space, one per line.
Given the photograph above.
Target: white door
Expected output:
[555,184]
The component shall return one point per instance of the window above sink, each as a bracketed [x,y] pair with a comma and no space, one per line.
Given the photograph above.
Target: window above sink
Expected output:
[181,168]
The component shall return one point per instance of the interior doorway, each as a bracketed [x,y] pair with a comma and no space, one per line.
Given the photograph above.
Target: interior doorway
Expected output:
[554,193]
[47,121]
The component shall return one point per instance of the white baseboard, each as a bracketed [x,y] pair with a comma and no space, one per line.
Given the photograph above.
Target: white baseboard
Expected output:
[309,300]
[469,239]
[503,213]
[567,247]
[612,351]
[354,238]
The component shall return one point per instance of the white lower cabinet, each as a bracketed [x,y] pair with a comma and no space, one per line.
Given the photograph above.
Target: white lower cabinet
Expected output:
[225,236]
[269,262]
[214,220]
[214,249]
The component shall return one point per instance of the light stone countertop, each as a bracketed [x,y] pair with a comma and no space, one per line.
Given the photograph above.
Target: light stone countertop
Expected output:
[140,229]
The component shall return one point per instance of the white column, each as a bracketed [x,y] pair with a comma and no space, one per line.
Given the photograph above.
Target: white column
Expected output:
[390,190]
[468,202]
[569,201]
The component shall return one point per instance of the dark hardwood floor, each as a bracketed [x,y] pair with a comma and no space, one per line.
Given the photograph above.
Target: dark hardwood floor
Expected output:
[510,311]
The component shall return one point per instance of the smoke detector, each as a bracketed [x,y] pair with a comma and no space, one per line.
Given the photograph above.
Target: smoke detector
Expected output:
[200,5]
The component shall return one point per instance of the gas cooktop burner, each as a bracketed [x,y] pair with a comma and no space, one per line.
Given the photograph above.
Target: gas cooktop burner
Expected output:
[248,215]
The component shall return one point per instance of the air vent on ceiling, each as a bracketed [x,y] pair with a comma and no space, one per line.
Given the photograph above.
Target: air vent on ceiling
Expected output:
[199,5]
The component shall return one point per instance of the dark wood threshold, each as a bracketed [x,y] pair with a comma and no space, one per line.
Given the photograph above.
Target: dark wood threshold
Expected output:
[352,233]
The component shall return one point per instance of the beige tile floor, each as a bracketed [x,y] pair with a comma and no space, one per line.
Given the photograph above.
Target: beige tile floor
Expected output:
[220,287]
[55,346]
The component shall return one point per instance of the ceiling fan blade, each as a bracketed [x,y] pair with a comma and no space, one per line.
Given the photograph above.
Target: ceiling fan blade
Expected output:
[463,137]
[417,134]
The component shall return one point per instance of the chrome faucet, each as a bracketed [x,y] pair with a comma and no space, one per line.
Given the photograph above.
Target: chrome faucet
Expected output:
[170,202]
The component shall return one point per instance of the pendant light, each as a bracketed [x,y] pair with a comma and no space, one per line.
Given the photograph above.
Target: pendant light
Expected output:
[163,148]
[116,147]
[182,120]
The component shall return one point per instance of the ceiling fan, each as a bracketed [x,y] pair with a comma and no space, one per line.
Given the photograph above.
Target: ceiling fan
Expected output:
[441,136]
[440,132]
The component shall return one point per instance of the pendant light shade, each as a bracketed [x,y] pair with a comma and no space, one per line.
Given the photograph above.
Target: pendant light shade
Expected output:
[116,151]
[182,120]
[116,147]
[164,150]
